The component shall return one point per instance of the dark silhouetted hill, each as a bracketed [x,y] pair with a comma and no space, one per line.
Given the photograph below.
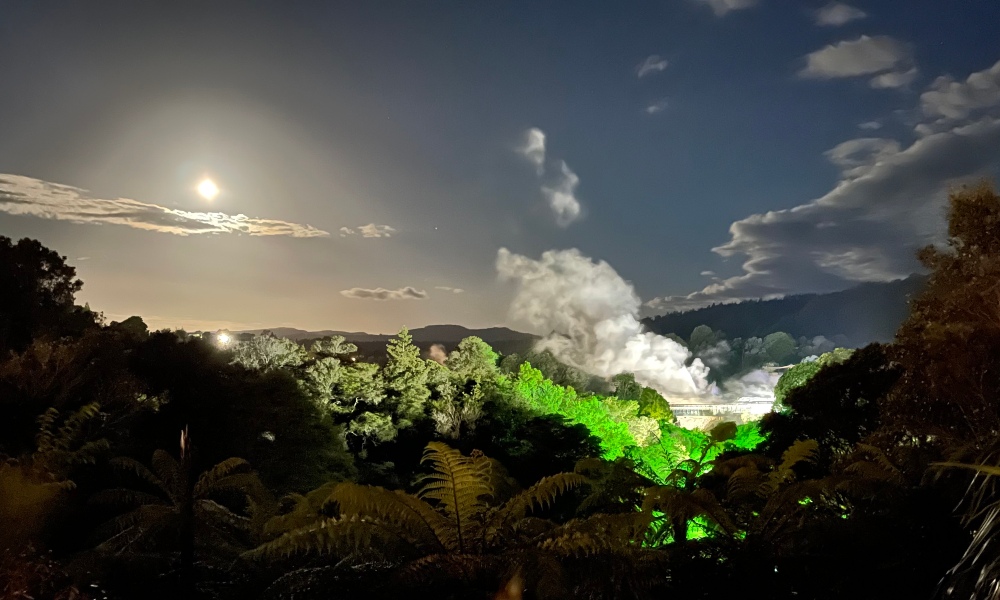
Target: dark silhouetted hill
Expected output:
[870,312]
[502,339]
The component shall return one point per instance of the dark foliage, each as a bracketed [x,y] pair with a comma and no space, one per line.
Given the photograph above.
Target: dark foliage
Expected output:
[37,290]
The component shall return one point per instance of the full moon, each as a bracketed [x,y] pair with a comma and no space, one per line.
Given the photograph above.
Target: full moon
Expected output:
[208,189]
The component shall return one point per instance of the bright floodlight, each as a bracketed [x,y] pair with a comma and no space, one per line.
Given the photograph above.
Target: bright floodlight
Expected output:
[208,189]
[224,339]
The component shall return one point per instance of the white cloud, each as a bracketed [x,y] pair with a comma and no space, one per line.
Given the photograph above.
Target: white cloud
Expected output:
[27,196]
[894,79]
[403,293]
[950,99]
[562,196]
[534,148]
[657,107]
[722,7]
[836,14]
[370,230]
[870,125]
[560,192]
[856,157]
[446,288]
[863,56]
[654,63]
[590,315]
[889,203]
[708,273]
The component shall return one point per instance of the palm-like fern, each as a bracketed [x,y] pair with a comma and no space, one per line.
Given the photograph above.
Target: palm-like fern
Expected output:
[452,515]
[62,443]
[977,574]
[155,517]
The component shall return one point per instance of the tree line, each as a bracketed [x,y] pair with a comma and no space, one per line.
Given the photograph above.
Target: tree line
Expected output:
[159,464]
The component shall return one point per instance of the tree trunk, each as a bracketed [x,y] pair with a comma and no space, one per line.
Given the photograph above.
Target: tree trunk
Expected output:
[187,518]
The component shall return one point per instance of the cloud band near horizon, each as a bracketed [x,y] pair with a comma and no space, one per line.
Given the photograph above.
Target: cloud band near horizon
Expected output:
[28,196]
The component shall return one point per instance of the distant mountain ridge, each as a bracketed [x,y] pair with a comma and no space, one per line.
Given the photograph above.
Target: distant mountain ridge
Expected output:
[870,312]
[440,334]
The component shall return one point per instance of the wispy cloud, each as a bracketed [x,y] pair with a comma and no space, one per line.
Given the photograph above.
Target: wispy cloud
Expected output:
[403,293]
[445,288]
[888,203]
[533,148]
[949,99]
[562,196]
[370,230]
[27,196]
[657,106]
[560,192]
[723,7]
[653,64]
[870,125]
[894,79]
[863,56]
[856,157]
[836,14]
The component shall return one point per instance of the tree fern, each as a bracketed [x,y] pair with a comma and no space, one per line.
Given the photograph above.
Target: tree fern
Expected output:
[460,485]
[416,520]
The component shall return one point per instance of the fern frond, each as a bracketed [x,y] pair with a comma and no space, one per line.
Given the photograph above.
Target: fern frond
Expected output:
[341,537]
[800,451]
[460,485]
[220,471]
[248,483]
[126,497]
[444,567]
[541,495]
[983,469]
[131,465]
[139,526]
[168,470]
[596,534]
[416,520]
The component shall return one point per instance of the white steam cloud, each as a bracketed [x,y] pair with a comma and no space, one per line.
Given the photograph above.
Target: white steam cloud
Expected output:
[533,148]
[591,316]
[437,353]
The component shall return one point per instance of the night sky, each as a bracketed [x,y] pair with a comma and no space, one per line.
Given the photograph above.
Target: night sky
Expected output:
[374,156]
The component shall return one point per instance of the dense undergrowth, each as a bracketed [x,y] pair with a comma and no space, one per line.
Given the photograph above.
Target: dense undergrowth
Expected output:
[159,464]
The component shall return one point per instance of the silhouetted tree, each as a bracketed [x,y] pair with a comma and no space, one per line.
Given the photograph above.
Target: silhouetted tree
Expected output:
[37,290]
[949,347]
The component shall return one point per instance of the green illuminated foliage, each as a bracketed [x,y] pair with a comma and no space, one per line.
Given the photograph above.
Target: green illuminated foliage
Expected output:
[266,352]
[359,383]
[537,393]
[405,376]
[654,406]
[335,345]
[800,374]
[625,387]
[474,360]
[377,427]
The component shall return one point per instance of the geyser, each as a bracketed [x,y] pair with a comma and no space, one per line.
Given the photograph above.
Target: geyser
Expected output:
[591,318]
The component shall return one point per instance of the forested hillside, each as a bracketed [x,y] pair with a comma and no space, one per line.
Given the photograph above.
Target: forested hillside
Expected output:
[870,312]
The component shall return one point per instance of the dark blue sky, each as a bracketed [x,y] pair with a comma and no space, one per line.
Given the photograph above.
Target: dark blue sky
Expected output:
[410,115]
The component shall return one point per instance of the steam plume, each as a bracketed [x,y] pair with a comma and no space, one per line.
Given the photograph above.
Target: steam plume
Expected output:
[437,353]
[593,316]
